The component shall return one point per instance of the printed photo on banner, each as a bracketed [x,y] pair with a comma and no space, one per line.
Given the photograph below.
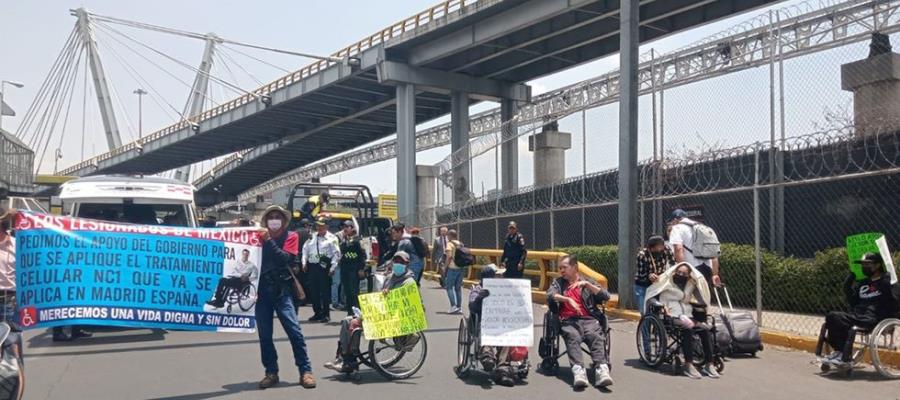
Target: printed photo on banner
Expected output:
[398,313]
[507,317]
[74,271]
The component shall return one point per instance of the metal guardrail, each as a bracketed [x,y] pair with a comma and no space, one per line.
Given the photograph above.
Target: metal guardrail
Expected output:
[545,273]
[409,24]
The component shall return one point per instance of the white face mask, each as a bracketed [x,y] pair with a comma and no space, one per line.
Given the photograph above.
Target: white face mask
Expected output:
[274,224]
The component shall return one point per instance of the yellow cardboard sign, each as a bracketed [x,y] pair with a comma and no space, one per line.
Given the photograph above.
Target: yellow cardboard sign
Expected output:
[398,313]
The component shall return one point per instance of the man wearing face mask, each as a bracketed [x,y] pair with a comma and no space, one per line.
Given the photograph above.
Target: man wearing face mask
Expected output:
[871,301]
[652,261]
[345,360]
[279,252]
[320,259]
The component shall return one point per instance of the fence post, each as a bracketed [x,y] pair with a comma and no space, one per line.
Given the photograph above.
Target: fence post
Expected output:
[756,238]
[552,219]
[583,171]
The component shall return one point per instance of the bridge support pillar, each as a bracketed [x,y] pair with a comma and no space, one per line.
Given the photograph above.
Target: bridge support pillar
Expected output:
[426,179]
[875,83]
[509,169]
[459,145]
[549,149]
[628,145]
[406,153]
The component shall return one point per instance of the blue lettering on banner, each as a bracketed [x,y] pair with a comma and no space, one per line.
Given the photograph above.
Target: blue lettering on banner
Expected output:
[121,279]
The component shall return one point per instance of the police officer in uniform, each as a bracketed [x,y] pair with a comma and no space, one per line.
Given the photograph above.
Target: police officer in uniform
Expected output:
[514,252]
[352,265]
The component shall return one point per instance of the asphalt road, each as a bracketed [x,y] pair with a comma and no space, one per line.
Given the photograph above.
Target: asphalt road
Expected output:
[142,364]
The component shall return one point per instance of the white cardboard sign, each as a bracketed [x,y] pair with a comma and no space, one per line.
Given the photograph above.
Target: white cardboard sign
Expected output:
[507,318]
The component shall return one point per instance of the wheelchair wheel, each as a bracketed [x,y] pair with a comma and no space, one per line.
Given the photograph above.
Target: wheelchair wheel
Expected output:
[651,330]
[247,298]
[885,337]
[398,358]
[463,348]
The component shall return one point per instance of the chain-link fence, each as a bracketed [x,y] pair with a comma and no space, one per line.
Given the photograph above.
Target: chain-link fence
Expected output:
[782,134]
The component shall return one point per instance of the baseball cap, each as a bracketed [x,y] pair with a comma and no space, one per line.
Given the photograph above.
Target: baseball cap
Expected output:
[678,214]
[512,224]
[304,221]
[402,255]
[870,258]
[321,221]
[347,223]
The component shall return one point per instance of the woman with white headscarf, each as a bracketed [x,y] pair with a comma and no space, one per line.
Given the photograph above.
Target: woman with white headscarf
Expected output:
[680,289]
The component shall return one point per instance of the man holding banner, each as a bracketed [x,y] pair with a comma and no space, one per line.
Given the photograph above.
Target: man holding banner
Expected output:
[280,248]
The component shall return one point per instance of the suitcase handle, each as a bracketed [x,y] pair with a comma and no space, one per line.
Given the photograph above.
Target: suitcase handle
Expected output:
[719,300]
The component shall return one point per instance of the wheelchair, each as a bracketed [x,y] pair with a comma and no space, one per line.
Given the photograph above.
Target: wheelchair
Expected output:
[878,342]
[662,337]
[393,358]
[244,297]
[468,350]
[548,347]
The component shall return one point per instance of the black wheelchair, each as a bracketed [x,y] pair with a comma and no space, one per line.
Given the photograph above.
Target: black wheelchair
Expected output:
[244,296]
[468,350]
[658,339]
[394,358]
[548,347]
[880,342]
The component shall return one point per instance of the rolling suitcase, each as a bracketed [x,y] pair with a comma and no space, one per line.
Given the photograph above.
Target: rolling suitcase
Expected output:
[739,326]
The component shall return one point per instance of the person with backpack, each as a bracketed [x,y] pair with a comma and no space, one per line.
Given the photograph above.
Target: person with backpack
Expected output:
[514,253]
[696,244]
[421,250]
[458,261]
[403,242]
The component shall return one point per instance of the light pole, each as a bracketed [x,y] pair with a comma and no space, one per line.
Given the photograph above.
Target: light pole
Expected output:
[140,93]
[2,84]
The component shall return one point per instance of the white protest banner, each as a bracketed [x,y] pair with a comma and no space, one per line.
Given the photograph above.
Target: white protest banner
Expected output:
[886,256]
[507,318]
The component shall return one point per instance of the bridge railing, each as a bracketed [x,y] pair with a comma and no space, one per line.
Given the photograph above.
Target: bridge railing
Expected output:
[540,268]
[427,16]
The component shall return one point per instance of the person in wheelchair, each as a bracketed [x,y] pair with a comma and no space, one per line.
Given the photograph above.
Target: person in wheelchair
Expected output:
[580,321]
[504,363]
[346,356]
[871,301]
[682,295]
[244,273]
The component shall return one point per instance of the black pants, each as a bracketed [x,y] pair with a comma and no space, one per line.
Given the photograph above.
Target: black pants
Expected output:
[687,343]
[350,286]
[224,284]
[319,290]
[512,269]
[838,324]
[707,271]
[588,330]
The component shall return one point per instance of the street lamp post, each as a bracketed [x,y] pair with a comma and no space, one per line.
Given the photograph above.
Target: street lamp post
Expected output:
[140,93]
[2,90]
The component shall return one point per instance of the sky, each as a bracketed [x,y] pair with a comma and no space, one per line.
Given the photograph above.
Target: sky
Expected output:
[722,112]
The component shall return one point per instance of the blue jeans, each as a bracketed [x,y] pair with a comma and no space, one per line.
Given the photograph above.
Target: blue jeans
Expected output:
[279,301]
[336,287]
[453,283]
[640,293]
[417,267]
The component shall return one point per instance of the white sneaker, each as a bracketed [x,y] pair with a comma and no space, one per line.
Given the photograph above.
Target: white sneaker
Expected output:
[452,310]
[601,376]
[833,358]
[581,380]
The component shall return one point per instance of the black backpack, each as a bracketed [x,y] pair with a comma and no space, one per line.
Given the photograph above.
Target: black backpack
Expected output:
[463,256]
[419,245]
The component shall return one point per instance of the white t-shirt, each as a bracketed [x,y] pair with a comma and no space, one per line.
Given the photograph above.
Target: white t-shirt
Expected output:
[683,235]
[8,264]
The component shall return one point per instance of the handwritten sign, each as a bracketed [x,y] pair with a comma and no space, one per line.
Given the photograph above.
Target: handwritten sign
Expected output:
[73,271]
[507,318]
[397,314]
[860,244]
